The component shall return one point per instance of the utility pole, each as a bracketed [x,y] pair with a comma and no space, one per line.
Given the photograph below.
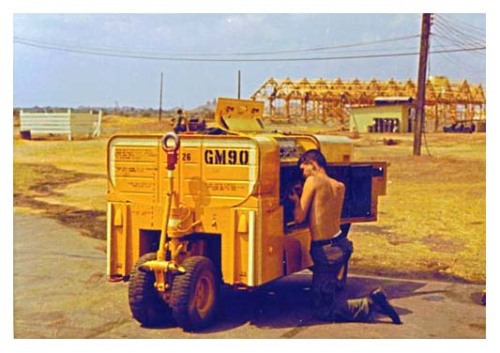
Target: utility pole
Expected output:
[161,96]
[422,71]
[239,83]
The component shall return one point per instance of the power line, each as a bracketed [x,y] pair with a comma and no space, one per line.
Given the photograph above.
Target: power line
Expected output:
[457,38]
[464,66]
[93,51]
[459,35]
[454,22]
[28,41]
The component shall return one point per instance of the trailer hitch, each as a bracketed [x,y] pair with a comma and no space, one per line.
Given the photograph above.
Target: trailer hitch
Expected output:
[170,144]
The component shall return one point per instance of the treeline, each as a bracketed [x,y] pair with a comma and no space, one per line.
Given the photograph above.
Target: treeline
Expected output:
[204,111]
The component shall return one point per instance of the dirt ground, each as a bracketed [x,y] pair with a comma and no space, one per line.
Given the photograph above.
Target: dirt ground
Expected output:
[432,222]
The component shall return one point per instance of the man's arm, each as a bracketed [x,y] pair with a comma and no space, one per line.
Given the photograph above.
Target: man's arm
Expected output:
[302,205]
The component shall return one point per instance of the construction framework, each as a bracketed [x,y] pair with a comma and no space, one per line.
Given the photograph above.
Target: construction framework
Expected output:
[305,100]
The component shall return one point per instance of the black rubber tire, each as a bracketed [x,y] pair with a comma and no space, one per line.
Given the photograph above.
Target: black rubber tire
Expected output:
[195,294]
[145,302]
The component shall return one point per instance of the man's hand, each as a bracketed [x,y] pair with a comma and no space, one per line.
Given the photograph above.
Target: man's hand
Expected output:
[295,193]
[294,197]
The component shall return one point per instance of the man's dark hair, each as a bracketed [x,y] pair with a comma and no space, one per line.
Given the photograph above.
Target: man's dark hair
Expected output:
[313,156]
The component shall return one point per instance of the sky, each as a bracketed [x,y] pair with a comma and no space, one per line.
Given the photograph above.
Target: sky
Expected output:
[109,60]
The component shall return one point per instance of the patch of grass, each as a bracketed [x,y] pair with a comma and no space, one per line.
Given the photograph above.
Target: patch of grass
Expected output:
[41,188]
[434,212]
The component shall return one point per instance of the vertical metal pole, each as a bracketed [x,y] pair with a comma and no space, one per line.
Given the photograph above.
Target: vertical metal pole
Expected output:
[251,249]
[161,96]
[422,71]
[239,84]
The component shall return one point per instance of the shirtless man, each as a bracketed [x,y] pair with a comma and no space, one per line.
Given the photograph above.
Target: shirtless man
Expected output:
[321,205]
[319,190]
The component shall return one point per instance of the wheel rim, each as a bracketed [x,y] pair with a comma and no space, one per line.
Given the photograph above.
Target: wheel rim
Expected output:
[204,295]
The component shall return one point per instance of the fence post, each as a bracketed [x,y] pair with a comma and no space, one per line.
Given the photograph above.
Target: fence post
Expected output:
[97,130]
[69,122]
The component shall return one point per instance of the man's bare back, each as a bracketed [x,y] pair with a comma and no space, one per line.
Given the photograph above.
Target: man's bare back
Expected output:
[326,206]
[321,202]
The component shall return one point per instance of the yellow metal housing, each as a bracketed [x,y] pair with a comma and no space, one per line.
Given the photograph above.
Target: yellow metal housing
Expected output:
[228,202]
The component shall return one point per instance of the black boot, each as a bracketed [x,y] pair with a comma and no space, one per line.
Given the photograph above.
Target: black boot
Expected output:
[378,300]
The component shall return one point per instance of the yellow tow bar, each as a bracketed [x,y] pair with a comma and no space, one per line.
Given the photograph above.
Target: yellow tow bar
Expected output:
[161,266]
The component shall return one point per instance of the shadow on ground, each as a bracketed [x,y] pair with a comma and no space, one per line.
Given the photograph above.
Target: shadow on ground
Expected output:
[287,302]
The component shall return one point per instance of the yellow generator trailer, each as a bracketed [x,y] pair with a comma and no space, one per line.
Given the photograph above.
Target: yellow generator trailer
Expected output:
[190,212]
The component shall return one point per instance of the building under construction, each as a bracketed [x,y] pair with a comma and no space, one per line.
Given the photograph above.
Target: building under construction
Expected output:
[363,105]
